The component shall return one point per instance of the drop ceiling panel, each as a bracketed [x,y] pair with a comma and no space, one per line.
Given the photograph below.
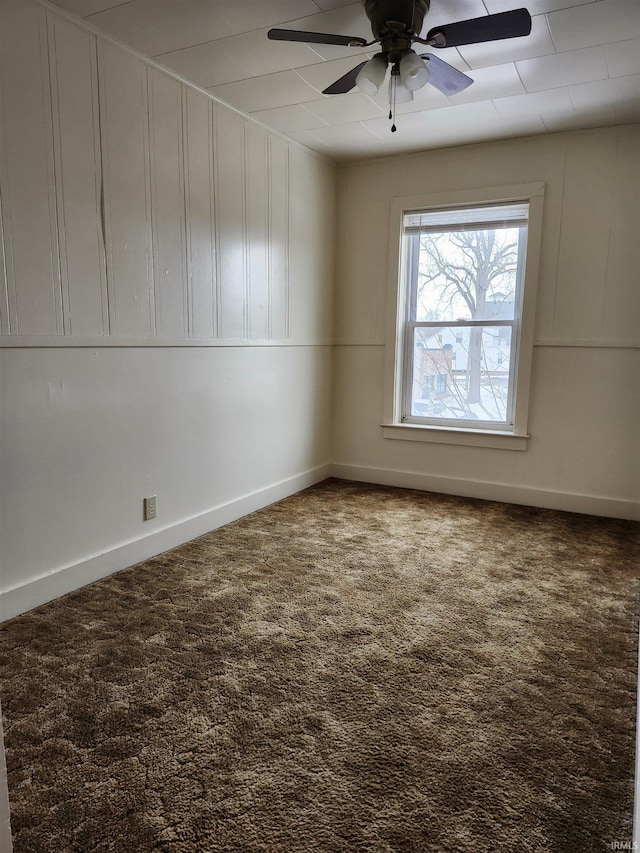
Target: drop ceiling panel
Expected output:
[156,28]
[623,58]
[595,23]
[576,66]
[535,104]
[257,55]
[205,65]
[333,4]
[536,7]
[600,116]
[434,123]
[288,119]
[498,81]
[342,109]
[83,8]
[622,93]
[263,93]
[350,140]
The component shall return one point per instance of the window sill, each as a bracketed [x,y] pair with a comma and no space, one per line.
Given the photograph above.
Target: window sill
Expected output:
[497,440]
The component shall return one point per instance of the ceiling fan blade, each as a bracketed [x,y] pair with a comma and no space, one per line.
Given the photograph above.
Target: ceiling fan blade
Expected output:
[445,77]
[504,25]
[316,38]
[346,82]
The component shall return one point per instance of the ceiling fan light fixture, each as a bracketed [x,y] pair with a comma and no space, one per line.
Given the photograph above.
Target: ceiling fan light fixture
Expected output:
[398,92]
[371,75]
[413,71]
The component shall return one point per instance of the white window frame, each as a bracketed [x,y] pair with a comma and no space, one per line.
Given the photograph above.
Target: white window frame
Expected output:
[393,426]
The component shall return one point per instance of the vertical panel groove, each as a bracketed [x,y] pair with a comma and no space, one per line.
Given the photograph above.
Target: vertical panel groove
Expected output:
[58,174]
[5,314]
[186,292]
[606,285]
[47,98]
[246,276]
[148,177]
[265,214]
[215,286]
[184,103]
[99,186]
[105,195]
[154,301]
[287,253]
[269,282]
[216,207]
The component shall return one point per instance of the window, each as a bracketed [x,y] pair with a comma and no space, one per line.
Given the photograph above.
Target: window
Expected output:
[463,333]
[463,272]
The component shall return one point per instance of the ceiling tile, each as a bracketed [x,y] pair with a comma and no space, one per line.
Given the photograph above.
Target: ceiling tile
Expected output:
[160,27]
[258,55]
[263,93]
[498,81]
[333,4]
[306,137]
[595,23]
[495,6]
[435,122]
[537,103]
[249,15]
[206,65]
[156,28]
[342,109]
[287,119]
[576,66]
[346,139]
[538,43]
[622,93]
[85,8]
[601,116]
[623,58]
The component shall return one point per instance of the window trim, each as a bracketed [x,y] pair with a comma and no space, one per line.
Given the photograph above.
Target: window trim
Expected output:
[395,339]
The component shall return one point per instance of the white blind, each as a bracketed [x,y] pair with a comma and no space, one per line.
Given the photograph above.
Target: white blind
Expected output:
[511,215]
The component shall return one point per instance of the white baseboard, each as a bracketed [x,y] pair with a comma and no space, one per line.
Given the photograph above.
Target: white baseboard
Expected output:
[35,592]
[587,504]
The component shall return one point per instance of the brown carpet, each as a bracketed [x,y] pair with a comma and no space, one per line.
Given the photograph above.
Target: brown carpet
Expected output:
[353,669]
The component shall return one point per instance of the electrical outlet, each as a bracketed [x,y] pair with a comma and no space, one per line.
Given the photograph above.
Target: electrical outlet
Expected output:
[149,508]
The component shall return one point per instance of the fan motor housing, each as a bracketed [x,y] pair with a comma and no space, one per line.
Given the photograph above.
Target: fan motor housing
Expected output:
[391,19]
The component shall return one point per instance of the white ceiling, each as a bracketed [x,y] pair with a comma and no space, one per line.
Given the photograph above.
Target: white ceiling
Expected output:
[579,68]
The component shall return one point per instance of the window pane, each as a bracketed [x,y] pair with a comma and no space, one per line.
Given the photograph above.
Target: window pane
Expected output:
[461,373]
[467,275]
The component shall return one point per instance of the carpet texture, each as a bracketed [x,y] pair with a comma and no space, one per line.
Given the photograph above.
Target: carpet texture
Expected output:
[355,669]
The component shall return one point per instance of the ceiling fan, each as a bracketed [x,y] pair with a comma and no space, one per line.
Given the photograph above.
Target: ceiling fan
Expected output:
[396,25]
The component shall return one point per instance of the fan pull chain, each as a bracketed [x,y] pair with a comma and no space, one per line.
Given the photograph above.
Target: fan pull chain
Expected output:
[392,105]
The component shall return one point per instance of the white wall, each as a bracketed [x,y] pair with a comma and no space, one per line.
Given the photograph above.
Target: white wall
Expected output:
[584,451]
[165,304]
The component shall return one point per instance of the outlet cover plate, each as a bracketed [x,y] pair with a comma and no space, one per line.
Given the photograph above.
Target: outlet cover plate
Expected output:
[149,508]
